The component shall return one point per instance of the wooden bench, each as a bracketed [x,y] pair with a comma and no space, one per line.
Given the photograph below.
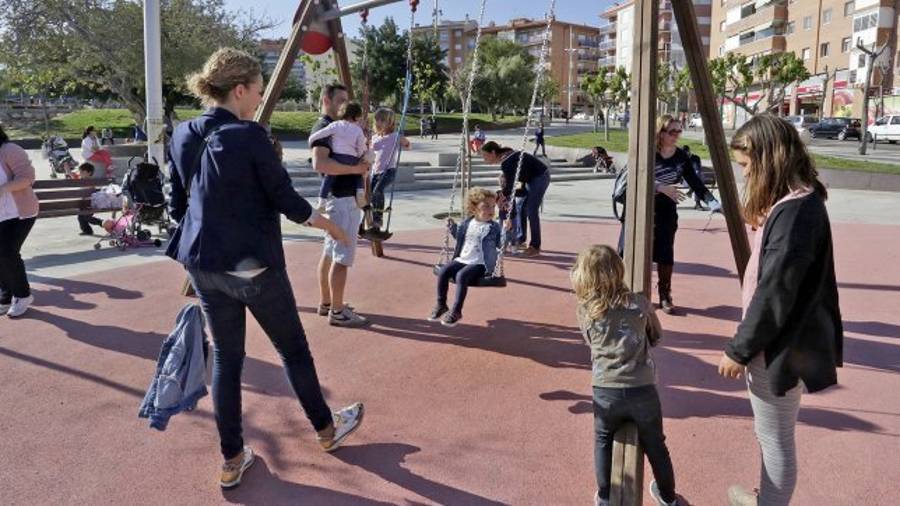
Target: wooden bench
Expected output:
[68,197]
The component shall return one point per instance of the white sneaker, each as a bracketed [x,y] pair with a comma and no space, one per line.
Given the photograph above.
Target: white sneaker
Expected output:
[346,421]
[19,306]
[347,318]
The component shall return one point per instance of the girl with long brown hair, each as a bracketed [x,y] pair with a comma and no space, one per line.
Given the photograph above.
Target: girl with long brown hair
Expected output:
[791,334]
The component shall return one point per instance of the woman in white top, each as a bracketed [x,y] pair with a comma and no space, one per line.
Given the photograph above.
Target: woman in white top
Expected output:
[92,152]
[18,211]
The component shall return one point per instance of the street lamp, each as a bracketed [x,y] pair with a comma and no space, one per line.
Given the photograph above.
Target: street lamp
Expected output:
[571,51]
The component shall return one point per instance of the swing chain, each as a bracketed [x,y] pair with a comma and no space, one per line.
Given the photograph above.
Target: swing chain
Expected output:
[498,269]
[464,141]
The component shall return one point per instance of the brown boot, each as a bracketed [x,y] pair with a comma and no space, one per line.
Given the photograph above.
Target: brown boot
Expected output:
[664,272]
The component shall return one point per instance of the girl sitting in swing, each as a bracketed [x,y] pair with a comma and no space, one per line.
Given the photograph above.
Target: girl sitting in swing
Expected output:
[384,170]
[477,243]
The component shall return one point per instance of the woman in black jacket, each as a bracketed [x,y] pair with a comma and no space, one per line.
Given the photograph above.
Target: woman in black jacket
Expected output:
[673,166]
[791,329]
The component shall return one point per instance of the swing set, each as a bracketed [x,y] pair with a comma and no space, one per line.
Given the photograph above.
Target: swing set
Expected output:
[317,28]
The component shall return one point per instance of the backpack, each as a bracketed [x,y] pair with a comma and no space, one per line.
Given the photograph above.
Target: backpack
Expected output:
[620,188]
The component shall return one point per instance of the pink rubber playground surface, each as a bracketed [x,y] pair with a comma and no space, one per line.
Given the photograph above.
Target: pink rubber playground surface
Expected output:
[496,410]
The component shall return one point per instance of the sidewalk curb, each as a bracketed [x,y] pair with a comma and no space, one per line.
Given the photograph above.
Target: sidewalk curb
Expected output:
[838,179]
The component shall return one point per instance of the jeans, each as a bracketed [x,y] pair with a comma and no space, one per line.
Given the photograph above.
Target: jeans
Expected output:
[380,182]
[612,408]
[270,298]
[13,279]
[464,274]
[86,220]
[530,210]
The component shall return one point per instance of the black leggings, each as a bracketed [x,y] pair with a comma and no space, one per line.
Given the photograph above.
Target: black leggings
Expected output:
[13,280]
[464,274]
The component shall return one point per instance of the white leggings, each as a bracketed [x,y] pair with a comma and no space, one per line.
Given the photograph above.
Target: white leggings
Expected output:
[774,419]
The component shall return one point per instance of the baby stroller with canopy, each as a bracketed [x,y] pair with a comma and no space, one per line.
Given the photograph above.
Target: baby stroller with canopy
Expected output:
[143,186]
[603,163]
[56,150]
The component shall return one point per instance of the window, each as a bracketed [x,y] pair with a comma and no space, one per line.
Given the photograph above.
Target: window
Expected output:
[865,22]
[845,45]
[722,26]
[861,62]
[823,50]
[721,50]
[826,16]
[458,33]
[458,47]
[849,7]
[805,53]
[895,120]
[807,23]
[790,27]
[457,59]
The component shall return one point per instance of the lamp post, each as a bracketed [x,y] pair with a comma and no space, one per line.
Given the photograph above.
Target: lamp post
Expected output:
[153,78]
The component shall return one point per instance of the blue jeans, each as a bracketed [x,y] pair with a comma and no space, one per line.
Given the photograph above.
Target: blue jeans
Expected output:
[270,298]
[529,210]
[612,408]
[464,274]
[380,182]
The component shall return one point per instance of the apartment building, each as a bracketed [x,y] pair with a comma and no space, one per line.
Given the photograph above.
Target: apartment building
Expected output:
[824,34]
[617,33]
[457,38]
[270,51]
[573,53]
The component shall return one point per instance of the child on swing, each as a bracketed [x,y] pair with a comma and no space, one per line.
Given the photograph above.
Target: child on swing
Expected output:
[348,146]
[475,256]
[384,144]
[620,327]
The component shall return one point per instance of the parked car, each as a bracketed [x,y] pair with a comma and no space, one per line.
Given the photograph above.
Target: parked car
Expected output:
[886,128]
[695,121]
[802,121]
[841,128]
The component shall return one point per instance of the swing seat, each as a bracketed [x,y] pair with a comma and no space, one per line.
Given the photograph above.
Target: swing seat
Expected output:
[484,281]
[376,235]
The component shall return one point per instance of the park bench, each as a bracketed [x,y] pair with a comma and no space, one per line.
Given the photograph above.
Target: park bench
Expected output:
[68,197]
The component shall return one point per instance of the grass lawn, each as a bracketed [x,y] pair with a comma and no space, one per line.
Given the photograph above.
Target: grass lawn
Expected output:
[283,123]
[618,141]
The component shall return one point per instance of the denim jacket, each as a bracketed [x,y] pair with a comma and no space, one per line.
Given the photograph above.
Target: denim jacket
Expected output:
[489,245]
[180,378]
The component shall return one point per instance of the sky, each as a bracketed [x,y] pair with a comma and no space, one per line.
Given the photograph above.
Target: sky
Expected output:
[500,11]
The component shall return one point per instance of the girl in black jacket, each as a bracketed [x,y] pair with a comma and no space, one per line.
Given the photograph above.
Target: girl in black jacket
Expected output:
[791,329]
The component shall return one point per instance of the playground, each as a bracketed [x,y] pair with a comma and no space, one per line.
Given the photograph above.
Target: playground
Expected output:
[496,410]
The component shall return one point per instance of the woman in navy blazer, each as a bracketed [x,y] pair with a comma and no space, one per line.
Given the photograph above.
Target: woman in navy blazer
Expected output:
[229,190]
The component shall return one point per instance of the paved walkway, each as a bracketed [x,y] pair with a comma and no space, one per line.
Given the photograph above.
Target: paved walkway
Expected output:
[494,411]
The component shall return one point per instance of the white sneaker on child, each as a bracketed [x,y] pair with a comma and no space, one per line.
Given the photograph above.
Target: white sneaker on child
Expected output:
[19,306]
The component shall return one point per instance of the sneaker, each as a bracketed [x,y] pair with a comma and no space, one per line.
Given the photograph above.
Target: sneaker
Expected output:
[233,469]
[86,232]
[19,306]
[347,318]
[739,496]
[667,305]
[437,313]
[325,309]
[530,252]
[451,319]
[654,492]
[346,421]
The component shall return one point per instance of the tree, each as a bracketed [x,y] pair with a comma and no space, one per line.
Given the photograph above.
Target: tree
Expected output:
[827,77]
[871,56]
[385,51]
[505,77]
[665,92]
[57,46]
[597,87]
[430,79]
[620,89]
[735,76]
[682,84]
[548,89]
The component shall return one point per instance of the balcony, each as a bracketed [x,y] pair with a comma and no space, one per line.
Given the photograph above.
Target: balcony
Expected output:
[609,28]
[609,61]
[771,13]
[665,26]
[764,43]
[607,44]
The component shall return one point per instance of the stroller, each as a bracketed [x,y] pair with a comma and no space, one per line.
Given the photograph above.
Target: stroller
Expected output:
[603,163]
[56,150]
[143,186]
